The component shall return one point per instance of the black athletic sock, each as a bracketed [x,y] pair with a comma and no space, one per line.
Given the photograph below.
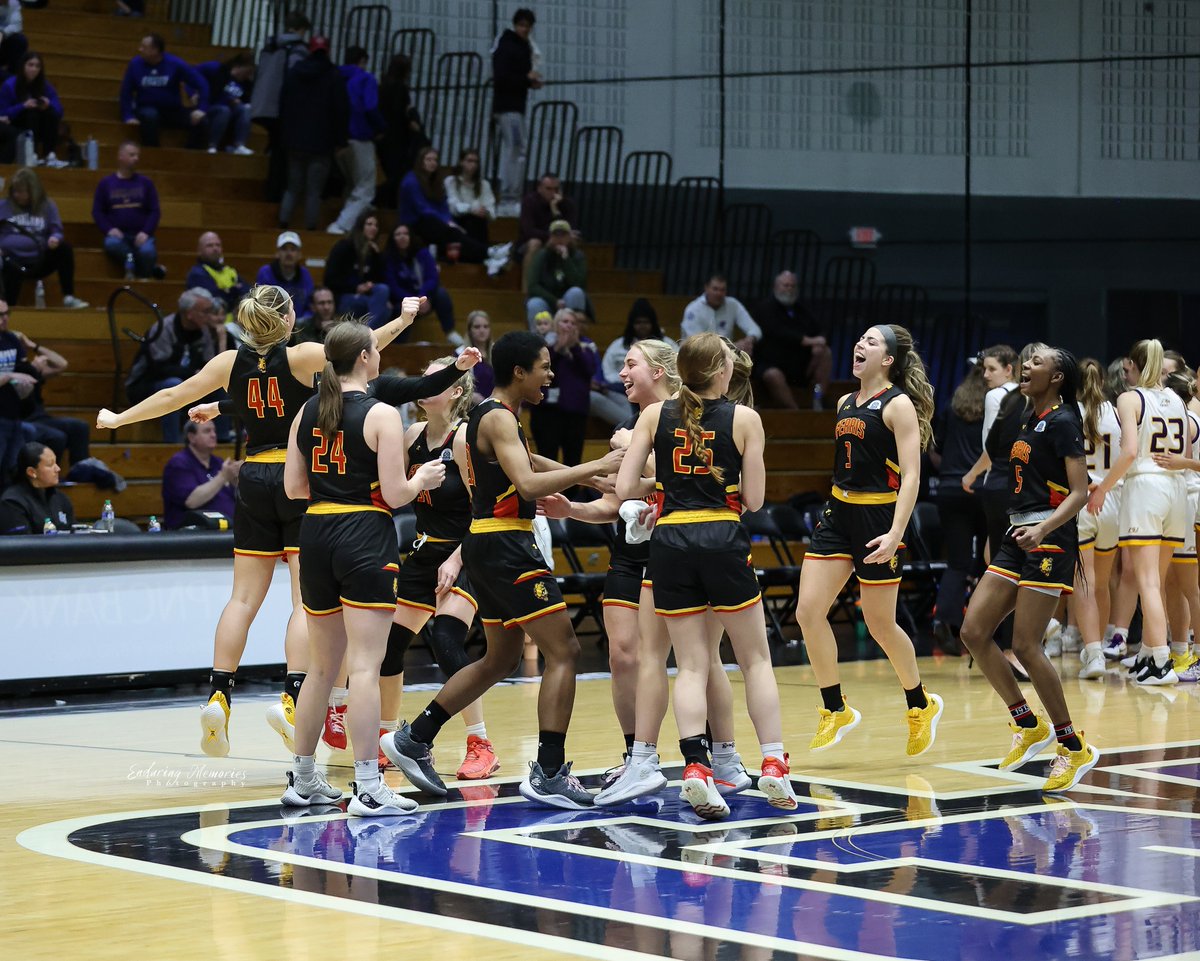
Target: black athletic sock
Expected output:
[448,639]
[832,697]
[221,681]
[399,638]
[428,723]
[1066,736]
[552,751]
[695,750]
[291,685]
[628,745]
[916,697]
[1022,714]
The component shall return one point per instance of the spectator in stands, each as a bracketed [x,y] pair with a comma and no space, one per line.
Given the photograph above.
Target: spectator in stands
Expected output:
[541,207]
[642,324]
[230,87]
[60,434]
[715,311]
[409,270]
[357,160]
[214,275]
[794,351]
[176,347]
[313,112]
[354,271]
[153,90]
[196,479]
[279,54]
[559,423]
[125,8]
[479,335]
[288,272]
[32,243]
[29,102]
[125,208]
[423,206]
[558,276]
[321,320]
[470,196]
[514,74]
[12,41]
[35,496]
[15,386]
[404,134]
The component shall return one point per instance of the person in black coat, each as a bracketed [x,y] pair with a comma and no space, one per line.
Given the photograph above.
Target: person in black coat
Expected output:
[404,133]
[793,352]
[314,112]
[35,495]
[513,76]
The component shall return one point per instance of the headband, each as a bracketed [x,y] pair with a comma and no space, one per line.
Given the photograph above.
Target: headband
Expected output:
[889,338]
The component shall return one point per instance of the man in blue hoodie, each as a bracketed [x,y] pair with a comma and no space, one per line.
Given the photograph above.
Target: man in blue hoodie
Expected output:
[357,160]
[152,94]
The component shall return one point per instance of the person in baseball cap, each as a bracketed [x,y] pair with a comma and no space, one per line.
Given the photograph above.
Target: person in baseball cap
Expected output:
[287,270]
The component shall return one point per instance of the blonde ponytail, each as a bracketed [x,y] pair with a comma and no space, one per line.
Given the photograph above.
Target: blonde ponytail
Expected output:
[1091,396]
[262,315]
[1147,357]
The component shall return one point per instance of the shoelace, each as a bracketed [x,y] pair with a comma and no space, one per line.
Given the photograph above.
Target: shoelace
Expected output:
[337,721]
[1059,765]
[613,774]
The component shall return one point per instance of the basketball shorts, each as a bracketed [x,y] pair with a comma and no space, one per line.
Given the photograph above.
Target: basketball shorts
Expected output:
[1050,566]
[416,584]
[1154,510]
[509,577]
[348,560]
[267,521]
[843,532]
[1187,553]
[623,582]
[697,565]
[1099,531]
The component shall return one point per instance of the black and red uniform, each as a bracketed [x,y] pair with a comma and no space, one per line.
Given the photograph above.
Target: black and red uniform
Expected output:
[627,565]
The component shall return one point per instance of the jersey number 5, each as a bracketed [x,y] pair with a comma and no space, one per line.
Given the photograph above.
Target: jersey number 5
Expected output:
[254,397]
[685,450]
[336,456]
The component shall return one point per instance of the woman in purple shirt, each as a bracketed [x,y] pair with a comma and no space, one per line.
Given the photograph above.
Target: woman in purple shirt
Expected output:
[410,271]
[30,102]
[196,479]
[560,421]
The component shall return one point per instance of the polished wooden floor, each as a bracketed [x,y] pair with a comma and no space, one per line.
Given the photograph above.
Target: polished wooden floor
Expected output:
[64,764]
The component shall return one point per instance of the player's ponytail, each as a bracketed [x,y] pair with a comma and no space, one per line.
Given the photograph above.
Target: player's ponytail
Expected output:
[701,359]
[1183,383]
[1147,357]
[344,344]
[908,373]
[740,391]
[1091,397]
[262,315]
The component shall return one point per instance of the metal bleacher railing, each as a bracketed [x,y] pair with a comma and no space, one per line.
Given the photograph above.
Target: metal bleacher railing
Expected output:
[681,227]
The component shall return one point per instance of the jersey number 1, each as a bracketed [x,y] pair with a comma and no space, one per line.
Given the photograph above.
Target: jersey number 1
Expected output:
[254,397]
[336,456]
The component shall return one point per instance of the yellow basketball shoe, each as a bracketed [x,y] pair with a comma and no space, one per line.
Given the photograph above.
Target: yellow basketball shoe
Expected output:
[833,726]
[214,725]
[1027,742]
[1069,767]
[1181,662]
[282,718]
[922,724]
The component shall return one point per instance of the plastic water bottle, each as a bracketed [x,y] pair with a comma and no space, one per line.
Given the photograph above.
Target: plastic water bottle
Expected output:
[48,527]
[92,153]
[154,527]
[129,266]
[39,295]
[26,152]
[108,517]
[818,397]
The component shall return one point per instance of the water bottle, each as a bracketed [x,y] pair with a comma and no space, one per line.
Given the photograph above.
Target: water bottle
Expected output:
[48,527]
[154,527]
[39,295]
[92,152]
[108,518]
[26,152]
[818,397]
[129,266]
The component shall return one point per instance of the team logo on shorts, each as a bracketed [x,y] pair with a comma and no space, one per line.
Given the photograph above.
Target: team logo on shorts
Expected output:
[894,563]
[1046,565]
[540,592]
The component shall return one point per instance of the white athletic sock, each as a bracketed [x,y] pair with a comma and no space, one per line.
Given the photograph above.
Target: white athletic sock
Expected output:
[366,774]
[1191,639]
[643,751]
[774,749]
[1093,646]
[1161,655]
[304,767]
[723,752]
[1109,631]
[389,725]
[1179,647]
[477,730]
[337,696]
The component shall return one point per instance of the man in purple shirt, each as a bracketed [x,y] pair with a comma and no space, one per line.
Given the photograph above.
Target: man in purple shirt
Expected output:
[560,421]
[126,210]
[152,94]
[196,479]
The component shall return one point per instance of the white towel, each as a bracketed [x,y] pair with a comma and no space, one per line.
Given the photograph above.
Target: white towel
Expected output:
[635,531]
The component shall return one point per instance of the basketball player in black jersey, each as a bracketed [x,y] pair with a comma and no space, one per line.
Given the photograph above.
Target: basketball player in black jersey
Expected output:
[1036,563]
[516,593]
[346,458]
[708,456]
[267,382]
[432,584]
[880,433]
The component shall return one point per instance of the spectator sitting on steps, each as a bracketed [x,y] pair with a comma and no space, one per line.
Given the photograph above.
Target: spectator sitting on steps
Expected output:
[289,273]
[196,479]
[719,313]
[794,351]
[29,101]
[152,93]
[61,434]
[214,275]
[230,86]
[31,239]
[324,315]
[410,271]
[541,207]
[35,496]
[354,272]
[125,208]
[558,276]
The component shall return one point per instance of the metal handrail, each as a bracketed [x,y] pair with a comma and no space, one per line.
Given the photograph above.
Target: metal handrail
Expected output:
[115,341]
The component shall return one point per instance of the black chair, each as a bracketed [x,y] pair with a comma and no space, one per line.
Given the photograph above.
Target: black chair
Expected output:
[567,536]
[784,573]
[924,564]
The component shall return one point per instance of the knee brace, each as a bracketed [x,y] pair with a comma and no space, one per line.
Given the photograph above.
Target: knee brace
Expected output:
[448,638]
[397,646]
